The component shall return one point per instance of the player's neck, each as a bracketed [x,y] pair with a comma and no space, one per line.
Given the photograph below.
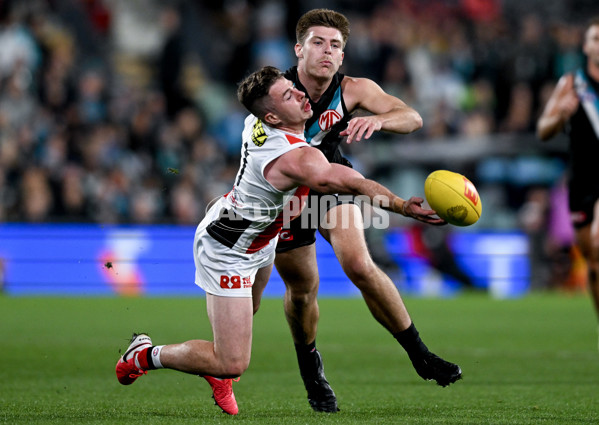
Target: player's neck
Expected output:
[593,70]
[294,129]
[315,86]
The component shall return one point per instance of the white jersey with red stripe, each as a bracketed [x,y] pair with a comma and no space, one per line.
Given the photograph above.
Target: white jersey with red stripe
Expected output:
[250,215]
[238,236]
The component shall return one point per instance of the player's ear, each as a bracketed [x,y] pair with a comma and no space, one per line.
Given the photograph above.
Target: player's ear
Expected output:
[298,51]
[272,119]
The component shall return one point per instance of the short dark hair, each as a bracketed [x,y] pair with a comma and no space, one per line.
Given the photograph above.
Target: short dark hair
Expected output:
[252,92]
[593,21]
[321,18]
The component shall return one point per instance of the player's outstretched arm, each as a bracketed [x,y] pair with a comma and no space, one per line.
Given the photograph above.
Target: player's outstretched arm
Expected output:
[388,113]
[309,167]
[562,104]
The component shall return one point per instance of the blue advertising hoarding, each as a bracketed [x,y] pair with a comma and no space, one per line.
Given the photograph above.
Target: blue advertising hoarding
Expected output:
[96,260]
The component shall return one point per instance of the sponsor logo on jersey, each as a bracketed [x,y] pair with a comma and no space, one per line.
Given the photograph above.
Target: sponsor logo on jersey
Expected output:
[286,235]
[328,118]
[578,217]
[258,134]
[235,282]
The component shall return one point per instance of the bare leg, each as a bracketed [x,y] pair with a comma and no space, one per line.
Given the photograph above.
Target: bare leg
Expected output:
[594,259]
[299,271]
[229,355]
[587,239]
[259,285]
[346,235]
[379,291]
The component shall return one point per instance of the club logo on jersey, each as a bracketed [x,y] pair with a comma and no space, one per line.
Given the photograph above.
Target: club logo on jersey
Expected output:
[328,118]
[258,134]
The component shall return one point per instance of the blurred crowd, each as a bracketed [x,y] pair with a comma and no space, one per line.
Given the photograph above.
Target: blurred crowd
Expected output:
[125,111]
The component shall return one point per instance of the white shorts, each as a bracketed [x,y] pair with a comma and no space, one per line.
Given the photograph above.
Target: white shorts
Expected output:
[223,271]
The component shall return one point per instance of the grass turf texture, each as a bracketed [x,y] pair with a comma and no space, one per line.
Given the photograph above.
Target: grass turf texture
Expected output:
[527,361]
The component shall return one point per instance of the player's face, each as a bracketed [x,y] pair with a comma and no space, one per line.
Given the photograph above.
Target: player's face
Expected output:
[321,55]
[591,45]
[290,105]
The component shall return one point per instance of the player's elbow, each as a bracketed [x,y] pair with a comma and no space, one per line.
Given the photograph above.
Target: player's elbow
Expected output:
[413,122]
[543,133]
[322,184]
[418,123]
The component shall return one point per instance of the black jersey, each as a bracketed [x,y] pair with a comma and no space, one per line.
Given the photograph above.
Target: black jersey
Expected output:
[584,143]
[583,190]
[329,119]
[322,132]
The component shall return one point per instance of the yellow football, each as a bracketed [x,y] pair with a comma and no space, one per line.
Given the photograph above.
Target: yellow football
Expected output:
[453,197]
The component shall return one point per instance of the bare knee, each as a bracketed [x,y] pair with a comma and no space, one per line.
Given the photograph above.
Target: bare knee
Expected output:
[301,293]
[301,281]
[360,268]
[232,365]
[234,368]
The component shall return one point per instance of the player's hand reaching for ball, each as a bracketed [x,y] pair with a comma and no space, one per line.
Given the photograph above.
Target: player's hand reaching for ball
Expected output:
[413,208]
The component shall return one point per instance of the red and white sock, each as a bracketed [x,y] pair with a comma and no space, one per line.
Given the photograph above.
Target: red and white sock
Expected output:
[149,358]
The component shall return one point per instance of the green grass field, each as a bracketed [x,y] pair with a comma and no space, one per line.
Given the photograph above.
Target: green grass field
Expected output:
[527,361]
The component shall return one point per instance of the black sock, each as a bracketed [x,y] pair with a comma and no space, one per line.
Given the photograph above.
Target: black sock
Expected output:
[305,348]
[305,357]
[411,342]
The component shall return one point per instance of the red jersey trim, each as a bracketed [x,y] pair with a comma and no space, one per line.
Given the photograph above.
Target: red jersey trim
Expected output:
[293,140]
[275,227]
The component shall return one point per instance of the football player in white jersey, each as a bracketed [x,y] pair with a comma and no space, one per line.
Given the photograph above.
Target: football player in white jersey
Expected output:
[234,246]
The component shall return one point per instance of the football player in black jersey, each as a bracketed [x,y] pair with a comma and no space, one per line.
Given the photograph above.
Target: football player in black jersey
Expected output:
[321,38]
[234,245]
[574,107]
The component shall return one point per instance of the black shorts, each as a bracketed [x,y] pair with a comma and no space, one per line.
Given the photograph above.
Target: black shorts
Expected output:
[582,201]
[302,230]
